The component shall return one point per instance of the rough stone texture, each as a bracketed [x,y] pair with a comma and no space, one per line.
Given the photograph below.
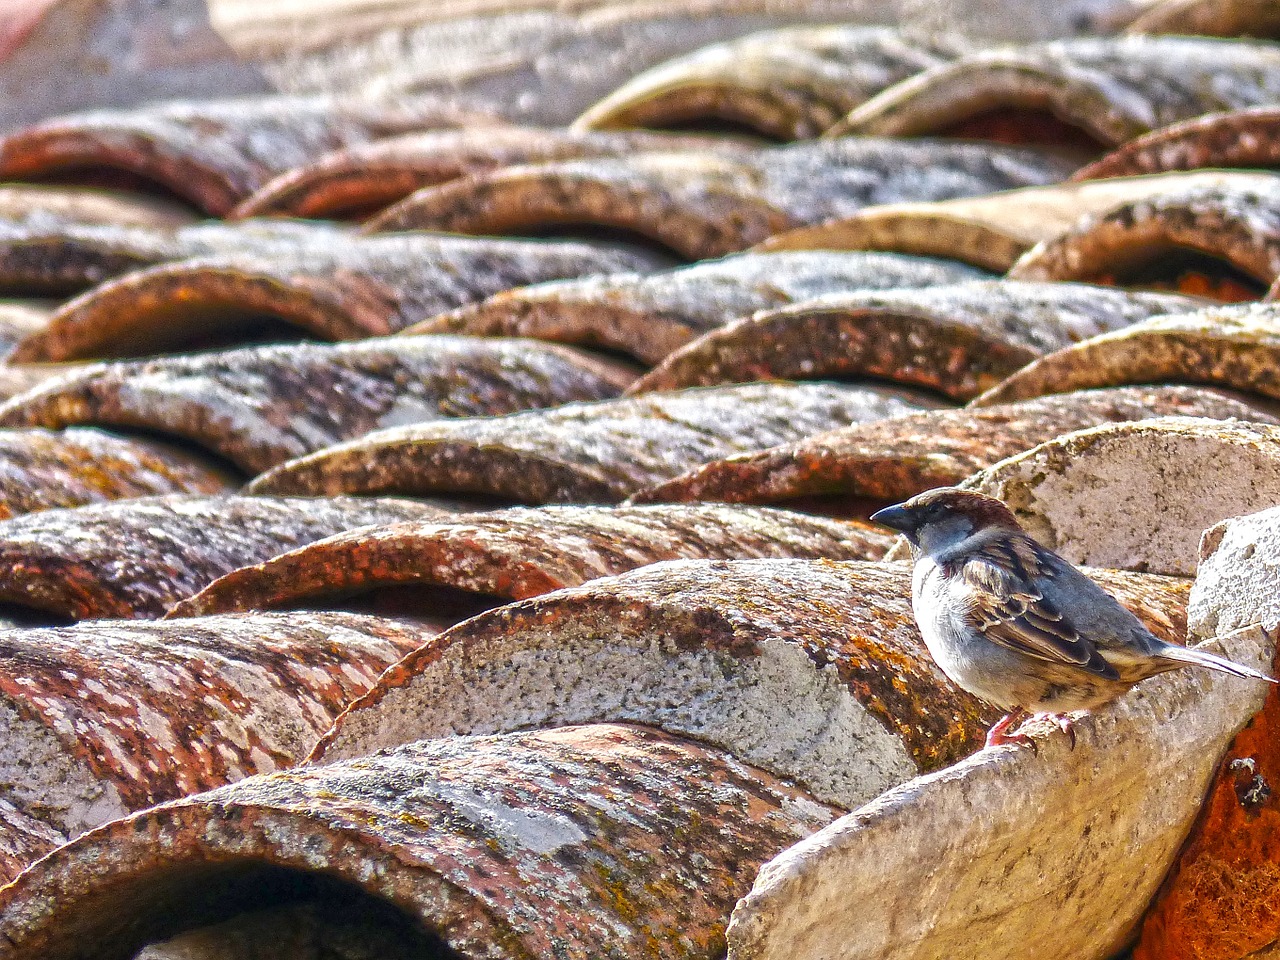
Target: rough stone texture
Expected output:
[710,649]
[212,153]
[1237,138]
[868,465]
[516,554]
[707,205]
[1212,18]
[363,179]
[333,287]
[650,315]
[789,84]
[1236,347]
[1236,580]
[40,469]
[111,716]
[590,453]
[990,231]
[1138,495]
[956,339]
[137,558]
[257,407]
[1059,848]
[586,842]
[1235,220]
[1113,88]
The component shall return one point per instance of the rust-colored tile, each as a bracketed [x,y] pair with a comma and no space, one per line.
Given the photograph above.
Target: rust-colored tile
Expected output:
[137,558]
[111,716]
[1104,89]
[520,553]
[1211,18]
[363,179]
[956,339]
[41,469]
[790,84]
[1228,229]
[332,286]
[1235,347]
[589,453]
[257,407]
[877,463]
[212,154]
[650,315]
[584,842]
[1248,139]
[85,205]
[707,205]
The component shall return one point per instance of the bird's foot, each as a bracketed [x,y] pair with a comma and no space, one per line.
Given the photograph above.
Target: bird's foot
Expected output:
[1002,733]
[1063,721]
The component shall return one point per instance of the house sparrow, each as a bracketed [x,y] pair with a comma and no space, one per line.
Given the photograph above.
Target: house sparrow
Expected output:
[1013,623]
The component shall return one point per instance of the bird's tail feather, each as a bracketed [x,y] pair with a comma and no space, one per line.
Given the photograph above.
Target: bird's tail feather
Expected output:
[1202,658]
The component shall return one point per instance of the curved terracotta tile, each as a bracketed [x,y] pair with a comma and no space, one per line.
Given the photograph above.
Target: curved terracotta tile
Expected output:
[1233,222]
[107,717]
[891,461]
[990,231]
[515,554]
[485,841]
[334,287]
[257,407]
[1211,18]
[650,315]
[957,339]
[137,558]
[1110,88]
[790,84]
[212,154]
[591,453]
[44,255]
[1238,138]
[43,469]
[21,318]
[1139,495]
[23,840]
[19,201]
[365,178]
[1236,347]
[707,205]
[710,649]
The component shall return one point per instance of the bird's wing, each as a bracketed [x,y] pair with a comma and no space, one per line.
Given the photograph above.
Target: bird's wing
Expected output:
[1008,608]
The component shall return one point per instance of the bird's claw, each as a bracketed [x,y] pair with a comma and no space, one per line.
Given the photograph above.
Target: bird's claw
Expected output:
[1002,733]
[1000,739]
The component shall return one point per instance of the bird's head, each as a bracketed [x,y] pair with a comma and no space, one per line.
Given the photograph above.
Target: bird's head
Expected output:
[939,519]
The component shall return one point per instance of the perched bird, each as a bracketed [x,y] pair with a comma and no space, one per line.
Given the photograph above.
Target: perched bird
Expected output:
[1013,623]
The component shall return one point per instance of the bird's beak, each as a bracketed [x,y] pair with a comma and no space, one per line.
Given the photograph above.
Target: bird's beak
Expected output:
[898,518]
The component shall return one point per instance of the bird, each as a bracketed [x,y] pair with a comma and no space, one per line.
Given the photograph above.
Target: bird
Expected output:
[1018,626]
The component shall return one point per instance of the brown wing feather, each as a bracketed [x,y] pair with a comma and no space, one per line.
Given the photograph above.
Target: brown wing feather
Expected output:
[1011,613]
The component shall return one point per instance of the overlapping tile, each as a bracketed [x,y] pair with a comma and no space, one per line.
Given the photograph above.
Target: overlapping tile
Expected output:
[21,201]
[332,286]
[878,463]
[257,407]
[515,554]
[137,558]
[790,84]
[42,469]
[710,649]
[212,153]
[1211,18]
[1235,347]
[365,178]
[990,231]
[707,205]
[486,841]
[129,714]
[956,339]
[590,453]
[1138,495]
[1238,138]
[1217,239]
[1108,89]
[650,315]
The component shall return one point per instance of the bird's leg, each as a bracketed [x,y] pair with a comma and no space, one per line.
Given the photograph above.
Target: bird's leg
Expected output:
[999,735]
